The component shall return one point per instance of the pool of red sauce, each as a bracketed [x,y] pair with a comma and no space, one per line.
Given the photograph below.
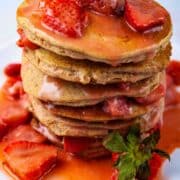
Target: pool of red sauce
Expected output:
[70,167]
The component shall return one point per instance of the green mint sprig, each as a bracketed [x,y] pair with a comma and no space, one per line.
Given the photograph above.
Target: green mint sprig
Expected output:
[135,153]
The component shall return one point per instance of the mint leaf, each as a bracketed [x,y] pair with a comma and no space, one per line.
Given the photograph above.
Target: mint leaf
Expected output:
[115,143]
[162,153]
[133,137]
[127,168]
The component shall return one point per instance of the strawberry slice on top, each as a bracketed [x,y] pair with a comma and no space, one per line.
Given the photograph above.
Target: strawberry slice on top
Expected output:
[29,160]
[143,15]
[65,16]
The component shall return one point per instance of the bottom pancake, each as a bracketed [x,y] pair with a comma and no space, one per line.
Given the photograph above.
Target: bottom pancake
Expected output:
[94,147]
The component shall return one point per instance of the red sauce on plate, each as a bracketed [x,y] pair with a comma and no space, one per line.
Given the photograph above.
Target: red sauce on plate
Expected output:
[70,167]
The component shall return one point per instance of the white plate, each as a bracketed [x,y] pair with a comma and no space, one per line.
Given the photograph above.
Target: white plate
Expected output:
[10,53]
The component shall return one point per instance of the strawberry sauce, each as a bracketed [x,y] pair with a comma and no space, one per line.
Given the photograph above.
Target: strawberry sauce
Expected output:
[69,167]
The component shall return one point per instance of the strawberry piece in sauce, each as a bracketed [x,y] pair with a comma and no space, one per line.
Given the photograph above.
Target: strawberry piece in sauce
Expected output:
[24,42]
[174,71]
[12,70]
[117,106]
[154,96]
[143,15]
[76,145]
[66,17]
[28,160]
[24,133]
[13,107]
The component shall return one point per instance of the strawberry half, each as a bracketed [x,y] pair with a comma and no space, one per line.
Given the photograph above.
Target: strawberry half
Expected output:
[24,133]
[30,160]
[143,15]
[65,16]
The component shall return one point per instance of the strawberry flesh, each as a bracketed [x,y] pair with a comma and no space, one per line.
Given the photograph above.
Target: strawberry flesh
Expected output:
[154,96]
[30,160]
[144,15]
[174,71]
[24,133]
[107,7]
[117,106]
[65,17]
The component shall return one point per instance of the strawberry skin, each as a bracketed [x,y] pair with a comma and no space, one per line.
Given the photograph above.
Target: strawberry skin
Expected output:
[28,160]
[143,15]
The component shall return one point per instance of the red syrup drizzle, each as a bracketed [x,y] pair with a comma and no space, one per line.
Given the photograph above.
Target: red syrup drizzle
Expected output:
[13,112]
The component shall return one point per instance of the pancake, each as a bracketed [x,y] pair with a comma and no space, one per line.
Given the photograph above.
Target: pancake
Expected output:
[91,113]
[61,126]
[95,148]
[107,39]
[86,72]
[67,93]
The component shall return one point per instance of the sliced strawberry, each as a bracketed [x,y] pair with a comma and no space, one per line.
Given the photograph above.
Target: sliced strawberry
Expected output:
[76,145]
[155,164]
[14,115]
[13,88]
[14,112]
[174,71]
[12,70]
[117,106]
[143,15]
[30,160]
[24,133]
[24,42]
[65,16]
[154,96]
[114,175]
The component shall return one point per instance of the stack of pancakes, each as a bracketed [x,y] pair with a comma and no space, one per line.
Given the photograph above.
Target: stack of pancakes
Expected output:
[90,86]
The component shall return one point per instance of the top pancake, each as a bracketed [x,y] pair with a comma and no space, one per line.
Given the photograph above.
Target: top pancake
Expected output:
[107,39]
